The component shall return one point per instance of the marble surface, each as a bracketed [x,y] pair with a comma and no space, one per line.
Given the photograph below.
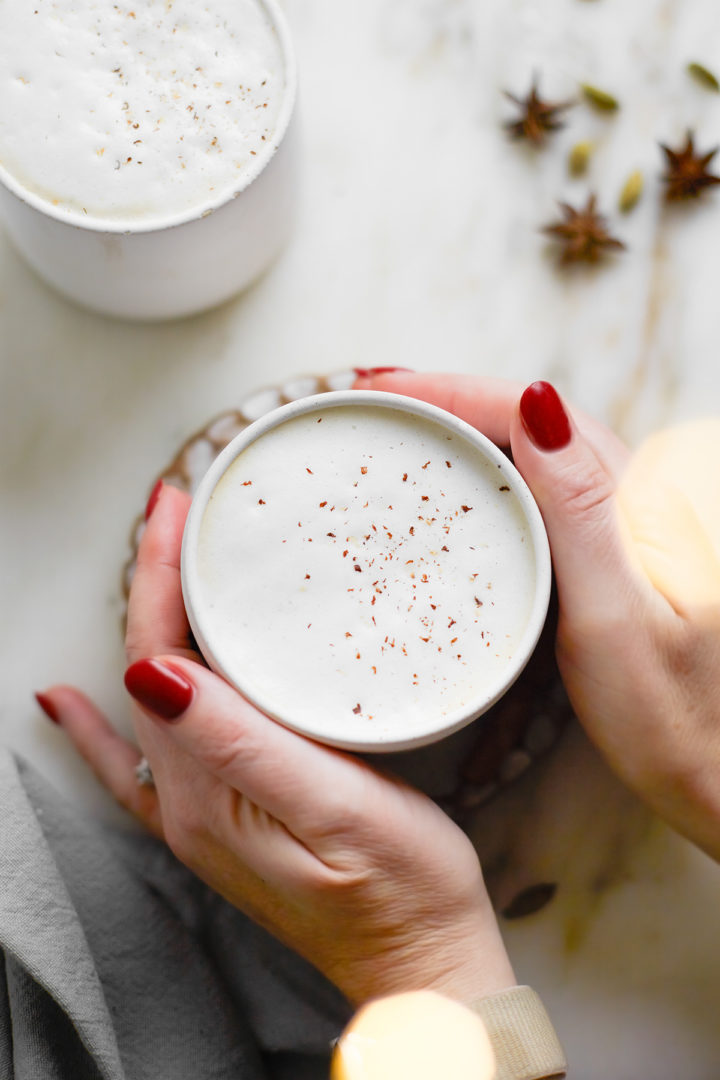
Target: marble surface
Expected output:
[417,243]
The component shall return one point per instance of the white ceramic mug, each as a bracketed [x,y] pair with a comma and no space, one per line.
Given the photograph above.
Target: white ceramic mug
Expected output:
[367,568]
[163,268]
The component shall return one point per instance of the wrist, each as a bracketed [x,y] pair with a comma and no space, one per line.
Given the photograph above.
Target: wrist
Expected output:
[481,968]
[462,963]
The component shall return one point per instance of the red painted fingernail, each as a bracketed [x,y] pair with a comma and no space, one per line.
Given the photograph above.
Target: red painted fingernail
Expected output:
[544,416]
[159,688]
[152,501]
[48,707]
[368,372]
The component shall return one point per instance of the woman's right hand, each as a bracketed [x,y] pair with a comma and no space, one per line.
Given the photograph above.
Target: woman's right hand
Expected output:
[640,658]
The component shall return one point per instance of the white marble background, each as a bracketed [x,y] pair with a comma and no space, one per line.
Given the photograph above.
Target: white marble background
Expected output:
[417,244]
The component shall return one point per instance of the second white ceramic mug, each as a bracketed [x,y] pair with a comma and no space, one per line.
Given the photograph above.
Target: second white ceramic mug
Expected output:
[175,267]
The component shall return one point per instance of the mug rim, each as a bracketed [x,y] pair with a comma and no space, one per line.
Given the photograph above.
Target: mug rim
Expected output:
[435,727]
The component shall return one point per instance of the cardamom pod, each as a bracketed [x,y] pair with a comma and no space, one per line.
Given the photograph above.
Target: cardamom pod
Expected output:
[704,76]
[631,191]
[579,157]
[601,99]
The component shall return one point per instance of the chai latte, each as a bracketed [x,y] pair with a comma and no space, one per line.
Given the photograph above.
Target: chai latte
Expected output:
[366,574]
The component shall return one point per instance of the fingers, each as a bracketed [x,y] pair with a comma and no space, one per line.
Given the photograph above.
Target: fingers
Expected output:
[111,758]
[490,404]
[486,403]
[198,717]
[157,622]
[575,490]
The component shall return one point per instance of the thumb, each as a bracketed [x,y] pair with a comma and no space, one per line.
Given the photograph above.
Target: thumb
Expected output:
[575,490]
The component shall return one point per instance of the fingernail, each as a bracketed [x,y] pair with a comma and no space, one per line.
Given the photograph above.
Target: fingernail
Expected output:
[544,416]
[48,707]
[159,688]
[367,373]
[152,501]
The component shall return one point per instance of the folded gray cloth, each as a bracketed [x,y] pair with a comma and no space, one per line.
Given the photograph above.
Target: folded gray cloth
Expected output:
[117,963]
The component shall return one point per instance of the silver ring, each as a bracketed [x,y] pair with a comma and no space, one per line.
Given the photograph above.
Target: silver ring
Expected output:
[143,774]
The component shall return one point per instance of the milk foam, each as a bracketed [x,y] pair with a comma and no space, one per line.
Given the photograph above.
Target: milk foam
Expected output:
[135,111]
[361,569]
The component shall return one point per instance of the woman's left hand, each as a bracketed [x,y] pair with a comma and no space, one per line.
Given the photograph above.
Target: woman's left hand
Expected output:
[363,875]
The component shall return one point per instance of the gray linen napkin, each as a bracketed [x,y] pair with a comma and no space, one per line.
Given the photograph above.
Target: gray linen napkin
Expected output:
[117,963]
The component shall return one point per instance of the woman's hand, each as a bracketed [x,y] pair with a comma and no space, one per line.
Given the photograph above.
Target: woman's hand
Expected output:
[364,876]
[638,651]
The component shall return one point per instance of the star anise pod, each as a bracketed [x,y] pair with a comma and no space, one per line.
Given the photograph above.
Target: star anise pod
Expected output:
[537,119]
[583,234]
[687,173]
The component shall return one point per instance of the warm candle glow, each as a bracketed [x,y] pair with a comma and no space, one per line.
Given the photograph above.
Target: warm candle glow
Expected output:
[420,1034]
[669,500]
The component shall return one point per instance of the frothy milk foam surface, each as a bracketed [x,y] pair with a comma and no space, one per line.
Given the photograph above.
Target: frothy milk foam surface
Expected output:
[135,111]
[362,571]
